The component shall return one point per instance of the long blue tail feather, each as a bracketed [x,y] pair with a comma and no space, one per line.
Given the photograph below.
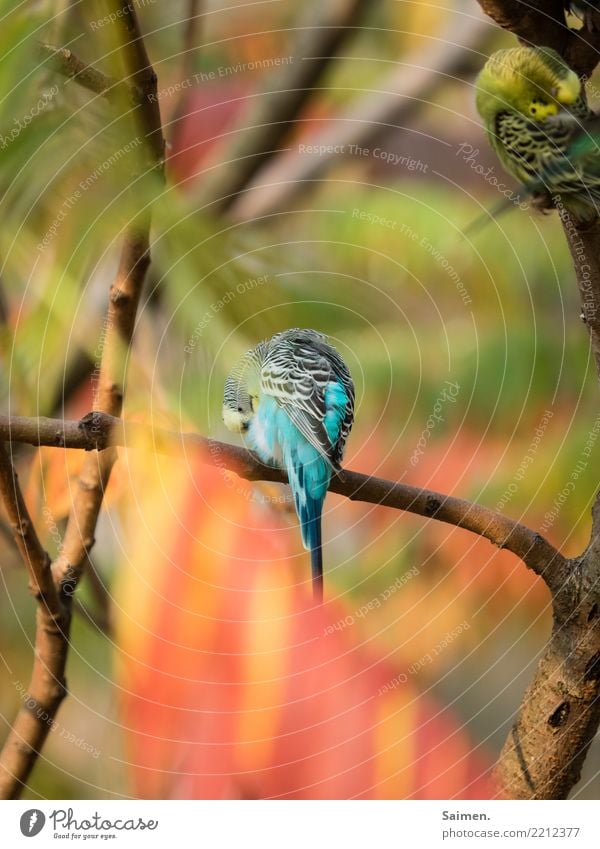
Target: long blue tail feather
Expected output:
[311,530]
[309,511]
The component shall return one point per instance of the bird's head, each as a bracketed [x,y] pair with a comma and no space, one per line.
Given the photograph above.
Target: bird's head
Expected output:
[241,393]
[238,407]
[534,81]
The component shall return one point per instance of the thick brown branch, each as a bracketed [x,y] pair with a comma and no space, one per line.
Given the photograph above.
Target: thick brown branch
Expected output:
[97,430]
[47,687]
[560,711]
[543,22]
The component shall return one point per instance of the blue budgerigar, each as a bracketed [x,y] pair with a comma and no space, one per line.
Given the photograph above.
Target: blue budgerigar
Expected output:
[293,398]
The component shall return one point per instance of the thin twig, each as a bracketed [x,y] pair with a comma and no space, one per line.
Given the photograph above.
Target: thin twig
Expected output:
[63,61]
[34,556]
[191,35]
[95,619]
[48,686]
[100,592]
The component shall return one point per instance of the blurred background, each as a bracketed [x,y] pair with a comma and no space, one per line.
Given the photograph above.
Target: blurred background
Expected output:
[323,167]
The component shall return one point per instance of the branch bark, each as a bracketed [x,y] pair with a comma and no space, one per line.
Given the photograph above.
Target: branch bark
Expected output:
[542,22]
[63,61]
[97,431]
[123,303]
[47,687]
[560,711]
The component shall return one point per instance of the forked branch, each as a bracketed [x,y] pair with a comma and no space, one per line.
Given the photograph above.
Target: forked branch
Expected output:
[55,585]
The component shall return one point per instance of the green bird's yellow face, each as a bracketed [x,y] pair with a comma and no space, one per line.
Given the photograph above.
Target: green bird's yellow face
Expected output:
[534,81]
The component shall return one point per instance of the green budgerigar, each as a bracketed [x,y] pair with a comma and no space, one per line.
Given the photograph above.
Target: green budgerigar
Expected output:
[538,122]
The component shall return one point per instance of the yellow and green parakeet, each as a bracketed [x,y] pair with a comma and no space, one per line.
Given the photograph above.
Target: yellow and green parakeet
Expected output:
[538,122]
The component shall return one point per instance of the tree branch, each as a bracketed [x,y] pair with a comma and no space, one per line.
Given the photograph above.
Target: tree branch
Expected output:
[98,430]
[542,22]
[560,711]
[63,61]
[35,558]
[124,298]
[47,687]
[584,246]
[191,33]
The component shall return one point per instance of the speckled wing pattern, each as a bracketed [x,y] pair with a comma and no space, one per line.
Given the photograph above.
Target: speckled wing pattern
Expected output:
[296,371]
[559,155]
[528,146]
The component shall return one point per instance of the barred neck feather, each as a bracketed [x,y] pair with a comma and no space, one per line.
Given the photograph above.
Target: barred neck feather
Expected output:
[245,375]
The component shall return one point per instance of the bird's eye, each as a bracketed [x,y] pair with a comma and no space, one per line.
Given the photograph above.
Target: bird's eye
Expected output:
[538,106]
[240,410]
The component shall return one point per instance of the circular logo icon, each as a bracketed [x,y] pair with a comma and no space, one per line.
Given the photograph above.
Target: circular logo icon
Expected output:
[32,822]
